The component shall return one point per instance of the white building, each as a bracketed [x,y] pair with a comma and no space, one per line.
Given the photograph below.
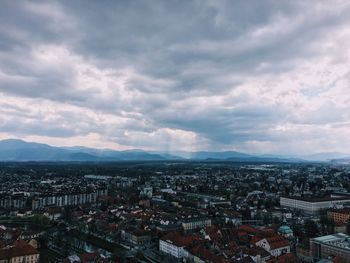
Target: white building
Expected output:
[312,205]
[276,245]
[69,199]
[168,247]
[195,223]
[174,245]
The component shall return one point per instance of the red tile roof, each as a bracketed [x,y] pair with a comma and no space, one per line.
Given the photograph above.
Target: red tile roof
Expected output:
[180,240]
[19,248]
[277,242]
[248,229]
[207,255]
[286,258]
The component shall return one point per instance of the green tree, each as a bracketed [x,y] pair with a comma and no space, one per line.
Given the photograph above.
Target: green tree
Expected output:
[311,228]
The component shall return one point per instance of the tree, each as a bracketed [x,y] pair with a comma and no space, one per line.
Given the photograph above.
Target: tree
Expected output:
[140,255]
[267,219]
[311,228]
[348,227]
[68,215]
[276,220]
[297,231]
[327,225]
[41,220]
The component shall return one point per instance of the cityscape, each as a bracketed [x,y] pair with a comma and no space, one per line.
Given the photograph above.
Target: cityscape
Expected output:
[175,211]
[174,131]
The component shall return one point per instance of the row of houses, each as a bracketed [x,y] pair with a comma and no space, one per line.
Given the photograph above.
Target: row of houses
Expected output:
[264,246]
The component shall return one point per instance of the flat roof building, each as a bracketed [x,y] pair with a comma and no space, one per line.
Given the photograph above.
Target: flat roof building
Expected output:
[312,205]
[331,245]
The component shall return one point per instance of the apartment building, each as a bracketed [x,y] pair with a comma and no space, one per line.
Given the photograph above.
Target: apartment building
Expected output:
[69,199]
[195,223]
[339,216]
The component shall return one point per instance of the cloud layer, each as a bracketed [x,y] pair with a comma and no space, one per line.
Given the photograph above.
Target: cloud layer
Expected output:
[255,76]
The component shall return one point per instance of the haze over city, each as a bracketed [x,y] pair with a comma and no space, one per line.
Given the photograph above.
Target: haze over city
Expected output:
[266,77]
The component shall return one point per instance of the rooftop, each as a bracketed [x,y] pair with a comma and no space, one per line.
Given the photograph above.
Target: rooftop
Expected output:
[318,199]
[339,240]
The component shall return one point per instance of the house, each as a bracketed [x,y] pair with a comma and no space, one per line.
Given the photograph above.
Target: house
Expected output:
[232,217]
[200,254]
[258,254]
[136,236]
[286,258]
[195,223]
[174,244]
[20,251]
[275,245]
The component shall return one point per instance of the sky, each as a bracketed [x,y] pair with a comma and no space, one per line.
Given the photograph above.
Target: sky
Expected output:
[247,75]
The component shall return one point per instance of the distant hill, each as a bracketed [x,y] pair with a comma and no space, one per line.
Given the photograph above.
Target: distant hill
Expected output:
[204,155]
[218,155]
[259,159]
[341,161]
[19,150]
[327,156]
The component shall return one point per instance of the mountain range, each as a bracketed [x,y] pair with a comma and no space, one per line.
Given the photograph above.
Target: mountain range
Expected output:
[20,151]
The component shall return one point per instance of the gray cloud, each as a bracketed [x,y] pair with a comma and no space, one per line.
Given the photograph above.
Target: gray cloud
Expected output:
[245,75]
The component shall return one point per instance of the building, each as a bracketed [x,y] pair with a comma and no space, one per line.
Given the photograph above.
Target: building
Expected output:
[13,201]
[285,231]
[195,223]
[339,216]
[146,191]
[312,205]
[98,177]
[216,203]
[171,248]
[232,217]
[20,251]
[69,199]
[174,244]
[331,245]
[275,245]
[201,254]
[136,236]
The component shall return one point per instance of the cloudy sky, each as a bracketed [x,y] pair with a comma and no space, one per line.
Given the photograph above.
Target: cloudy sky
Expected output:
[253,76]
